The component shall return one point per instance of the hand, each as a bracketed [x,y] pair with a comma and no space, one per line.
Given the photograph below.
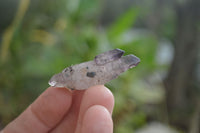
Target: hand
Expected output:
[59,110]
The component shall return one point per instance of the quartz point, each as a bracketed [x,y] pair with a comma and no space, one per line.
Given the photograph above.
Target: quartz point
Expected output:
[105,67]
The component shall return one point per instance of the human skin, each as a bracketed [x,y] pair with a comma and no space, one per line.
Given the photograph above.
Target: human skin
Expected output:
[60,110]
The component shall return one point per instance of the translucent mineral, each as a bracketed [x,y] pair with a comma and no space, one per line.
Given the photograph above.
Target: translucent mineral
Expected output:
[105,67]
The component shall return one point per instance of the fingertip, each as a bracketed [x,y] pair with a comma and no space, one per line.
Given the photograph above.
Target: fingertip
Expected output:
[96,95]
[97,119]
[101,95]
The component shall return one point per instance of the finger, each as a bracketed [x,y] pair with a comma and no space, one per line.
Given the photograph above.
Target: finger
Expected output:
[97,95]
[68,124]
[48,109]
[97,119]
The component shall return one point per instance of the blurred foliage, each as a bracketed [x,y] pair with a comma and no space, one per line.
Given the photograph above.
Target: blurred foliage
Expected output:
[55,34]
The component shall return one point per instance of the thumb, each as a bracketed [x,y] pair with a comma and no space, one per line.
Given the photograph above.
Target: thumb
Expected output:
[42,115]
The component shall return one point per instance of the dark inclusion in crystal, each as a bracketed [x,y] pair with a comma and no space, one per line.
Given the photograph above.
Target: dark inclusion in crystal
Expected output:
[91,74]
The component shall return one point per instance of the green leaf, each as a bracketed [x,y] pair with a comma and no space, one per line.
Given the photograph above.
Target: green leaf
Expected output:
[123,23]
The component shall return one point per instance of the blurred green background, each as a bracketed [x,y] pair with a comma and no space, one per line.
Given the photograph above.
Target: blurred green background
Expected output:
[40,38]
